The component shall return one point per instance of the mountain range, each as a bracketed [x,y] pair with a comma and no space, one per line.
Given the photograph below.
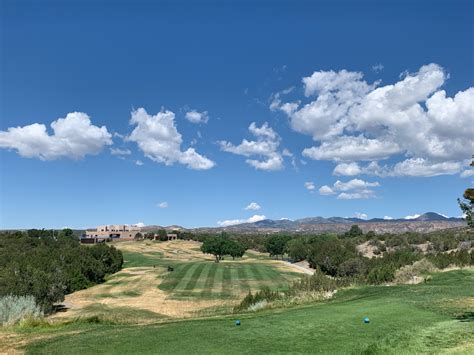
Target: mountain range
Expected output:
[426,222]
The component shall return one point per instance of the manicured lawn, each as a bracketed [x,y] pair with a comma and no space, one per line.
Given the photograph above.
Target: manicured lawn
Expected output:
[209,280]
[199,279]
[426,318]
[133,259]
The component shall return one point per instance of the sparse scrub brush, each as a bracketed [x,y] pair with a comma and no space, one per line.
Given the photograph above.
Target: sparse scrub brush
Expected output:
[15,309]
[417,270]
[260,300]
[318,282]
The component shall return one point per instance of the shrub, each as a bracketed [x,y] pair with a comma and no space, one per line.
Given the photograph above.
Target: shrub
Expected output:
[318,282]
[296,249]
[14,309]
[381,273]
[409,273]
[258,301]
[327,255]
[352,267]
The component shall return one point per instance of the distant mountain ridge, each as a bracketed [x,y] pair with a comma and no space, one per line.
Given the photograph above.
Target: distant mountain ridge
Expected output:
[425,217]
[426,222]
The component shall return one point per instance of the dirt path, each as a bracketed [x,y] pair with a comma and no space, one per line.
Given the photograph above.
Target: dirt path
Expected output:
[301,266]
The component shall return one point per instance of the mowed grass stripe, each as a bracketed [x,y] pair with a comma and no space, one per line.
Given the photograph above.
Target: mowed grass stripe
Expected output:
[226,287]
[186,277]
[209,282]
[237,282]
[195,277]
[202,280]
[243,277]
[173,278]
[255,273]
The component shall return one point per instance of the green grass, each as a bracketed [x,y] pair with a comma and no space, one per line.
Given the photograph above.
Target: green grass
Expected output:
[133,259]
[209,280]
[425,318]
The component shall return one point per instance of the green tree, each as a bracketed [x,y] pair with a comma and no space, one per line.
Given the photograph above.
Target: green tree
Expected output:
[329,254]
[215,246]
[138,236]
[235,249]
[297,249]
[354,232]
[467,204]
[162,235]
[276,244]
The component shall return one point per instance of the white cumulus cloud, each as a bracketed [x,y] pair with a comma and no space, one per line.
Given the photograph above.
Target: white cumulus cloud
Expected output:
[73,137]
[350,190]
[160,141]
[194,116]
[412,216]
[415,167]
[253,206]
[326,190]
[309,185]
[352,120]
[361,215]
[233,222]
[467,173]
[265,148]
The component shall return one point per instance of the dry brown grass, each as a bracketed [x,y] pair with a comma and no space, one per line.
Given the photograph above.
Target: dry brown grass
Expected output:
[137,287]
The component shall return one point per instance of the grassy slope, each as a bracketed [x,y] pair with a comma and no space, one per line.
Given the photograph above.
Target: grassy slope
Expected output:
[208,280]
[404,319]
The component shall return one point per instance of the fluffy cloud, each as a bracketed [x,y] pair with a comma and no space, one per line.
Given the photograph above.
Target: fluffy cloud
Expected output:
[350,190]
[326,190]
[347,169]
[354,184]
[309,185]
[160,141]
[194,116]
[361,215]
[422,167]
[265,146]
[413,216]
[347,148]
[418,167]
[387,218]
[73,137]
[163,204]
[467,173]
[253,206]
[233,222]
[353,120]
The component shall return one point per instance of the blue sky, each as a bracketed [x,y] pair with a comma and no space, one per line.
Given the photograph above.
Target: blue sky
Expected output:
[374,94]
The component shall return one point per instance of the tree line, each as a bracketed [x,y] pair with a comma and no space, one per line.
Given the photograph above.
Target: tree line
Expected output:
[50,264]
[338,255]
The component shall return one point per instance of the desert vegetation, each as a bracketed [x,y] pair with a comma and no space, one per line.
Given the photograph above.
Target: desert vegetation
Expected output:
[44,266]
[263,284]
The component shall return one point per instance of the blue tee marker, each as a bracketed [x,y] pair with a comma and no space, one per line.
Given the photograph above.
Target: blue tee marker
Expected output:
[237,322]
[366,320]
